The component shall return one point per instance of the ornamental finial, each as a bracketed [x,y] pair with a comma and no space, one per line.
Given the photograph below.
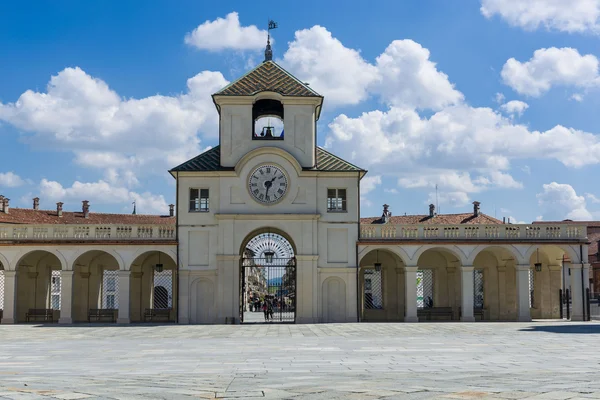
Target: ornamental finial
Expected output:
[268,50]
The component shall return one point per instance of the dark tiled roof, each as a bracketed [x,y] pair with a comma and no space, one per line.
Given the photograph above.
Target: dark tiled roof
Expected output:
[210,161]
[30,216]
[268,76]
[441,219]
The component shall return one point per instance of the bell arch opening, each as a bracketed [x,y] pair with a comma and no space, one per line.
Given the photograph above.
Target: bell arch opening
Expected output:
[268,278]
[267,115]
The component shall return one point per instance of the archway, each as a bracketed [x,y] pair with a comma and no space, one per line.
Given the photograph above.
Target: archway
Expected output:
[381,286]
[267,278]
[95,287]
[153,288]
[38,287]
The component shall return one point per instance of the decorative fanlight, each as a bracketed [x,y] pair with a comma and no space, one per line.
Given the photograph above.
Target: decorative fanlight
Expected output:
[377,264]
[269,256]
[158,267]
[538,264]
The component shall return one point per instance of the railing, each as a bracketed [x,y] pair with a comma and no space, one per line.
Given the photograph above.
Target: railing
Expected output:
[87,232]
[473,232]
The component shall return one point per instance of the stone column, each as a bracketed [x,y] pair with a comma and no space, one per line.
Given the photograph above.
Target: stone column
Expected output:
[410,294]
[66,297]
[400,293]
[466,304]
[577,303]
[10,291]
[523,310]
[124,283]
[183,301]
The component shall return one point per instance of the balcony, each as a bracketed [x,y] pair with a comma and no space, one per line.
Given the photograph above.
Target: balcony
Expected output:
[87,232]
[462,232]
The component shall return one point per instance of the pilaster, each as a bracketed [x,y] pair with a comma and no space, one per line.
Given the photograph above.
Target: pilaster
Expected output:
[66,297]
[184,297]
[466,274]
[124,284]
[410,293]
[523,309]
[10,290]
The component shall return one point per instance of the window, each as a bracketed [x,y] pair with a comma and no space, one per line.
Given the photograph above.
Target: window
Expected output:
[199,200]
[336,200]
[424,288]
[373,290]
[110,289]
[55,290]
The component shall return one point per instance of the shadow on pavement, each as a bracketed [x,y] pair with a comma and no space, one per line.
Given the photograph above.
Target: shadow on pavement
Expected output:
[566,328]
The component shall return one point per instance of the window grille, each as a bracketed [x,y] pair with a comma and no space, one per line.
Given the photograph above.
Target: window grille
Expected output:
[336,199]
[424,288]
[373,290]
[478,286]
[110,289]
[1,289]
[55,290]
[163,289]
[531,288]
[199,200]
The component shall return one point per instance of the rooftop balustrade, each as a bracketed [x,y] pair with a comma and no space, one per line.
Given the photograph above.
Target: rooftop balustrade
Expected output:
[112,232]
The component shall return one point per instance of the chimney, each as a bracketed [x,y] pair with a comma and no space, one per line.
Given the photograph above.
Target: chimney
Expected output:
[5,205]
[59,209]
[503,220]
[431,210]
[171,210]
[1,203]
[36,203]
[85,208]
[476,208]
[385,217]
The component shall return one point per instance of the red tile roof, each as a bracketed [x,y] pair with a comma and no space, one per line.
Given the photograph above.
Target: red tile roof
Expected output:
[590,224]
[30,216]
[442,219]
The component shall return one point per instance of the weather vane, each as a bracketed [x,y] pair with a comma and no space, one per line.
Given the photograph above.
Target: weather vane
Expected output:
[268,51]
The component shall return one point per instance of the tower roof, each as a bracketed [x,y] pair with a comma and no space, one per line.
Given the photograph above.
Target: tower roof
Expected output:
[268,76]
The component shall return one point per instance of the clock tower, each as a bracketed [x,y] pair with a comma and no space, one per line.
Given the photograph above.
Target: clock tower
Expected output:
[267,218]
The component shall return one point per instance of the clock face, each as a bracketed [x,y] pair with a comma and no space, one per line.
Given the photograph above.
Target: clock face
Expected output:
[267,184]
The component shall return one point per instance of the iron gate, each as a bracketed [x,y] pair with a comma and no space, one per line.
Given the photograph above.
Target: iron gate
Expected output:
[268,290]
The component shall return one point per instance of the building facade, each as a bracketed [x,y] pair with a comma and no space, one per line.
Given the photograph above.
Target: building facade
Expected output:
[267,226]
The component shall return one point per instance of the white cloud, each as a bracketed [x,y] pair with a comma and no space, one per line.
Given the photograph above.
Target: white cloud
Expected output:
[499,98]
[577,97]
[526,169]
[403,75]
[504,210]
[333,70]
[368,184]
[561,15]
[408,78]
[451,199]
[513,220]
[592,198]
[10,179]
[461,148]
[551,67]
[82,114]
[227,33]
[514,108]
[559,201]
[392,190]
[102,192]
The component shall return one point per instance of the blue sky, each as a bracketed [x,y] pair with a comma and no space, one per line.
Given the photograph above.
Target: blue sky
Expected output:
[492,100]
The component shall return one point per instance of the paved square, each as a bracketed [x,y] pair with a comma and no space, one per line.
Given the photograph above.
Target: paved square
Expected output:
[550,360]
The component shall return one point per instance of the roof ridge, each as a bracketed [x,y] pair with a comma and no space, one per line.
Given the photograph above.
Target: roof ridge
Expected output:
[293,77]
[214,148]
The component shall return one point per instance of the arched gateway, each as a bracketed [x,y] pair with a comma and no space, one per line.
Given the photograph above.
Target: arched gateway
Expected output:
[268,280]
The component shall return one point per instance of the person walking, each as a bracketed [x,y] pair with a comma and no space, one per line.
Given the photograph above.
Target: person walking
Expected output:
[265,309]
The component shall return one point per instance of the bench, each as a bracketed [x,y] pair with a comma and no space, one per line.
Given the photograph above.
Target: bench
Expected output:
[45,314]
[435,312]
[477,312]
[99,314]
[162,314]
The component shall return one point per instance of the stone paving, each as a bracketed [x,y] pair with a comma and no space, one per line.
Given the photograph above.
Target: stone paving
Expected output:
[550,360]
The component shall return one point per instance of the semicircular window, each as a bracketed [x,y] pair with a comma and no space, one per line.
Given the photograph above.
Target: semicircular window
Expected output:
[267,118]
[269,246]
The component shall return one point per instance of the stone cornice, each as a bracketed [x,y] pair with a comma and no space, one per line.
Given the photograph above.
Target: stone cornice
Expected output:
[262,217]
